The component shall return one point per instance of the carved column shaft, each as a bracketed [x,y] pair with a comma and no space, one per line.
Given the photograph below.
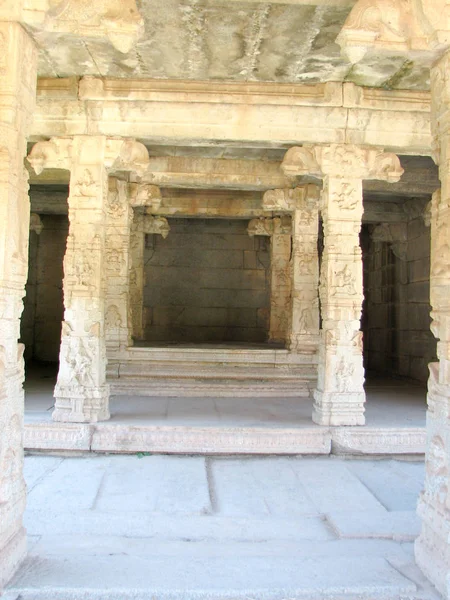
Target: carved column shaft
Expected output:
[432,549]
[118,233]
[280,279]
[136,276]
[279,229]
[301,307]
[339,396]
[81,393]
[304,330]
[18,61]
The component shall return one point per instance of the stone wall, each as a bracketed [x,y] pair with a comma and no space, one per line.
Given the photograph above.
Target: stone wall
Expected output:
[43,303]
[208,281]
[396,317]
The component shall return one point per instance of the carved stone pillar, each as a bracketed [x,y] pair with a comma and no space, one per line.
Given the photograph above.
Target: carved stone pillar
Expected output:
[280,230]
[144,199]
[136,276]
[432,548]
[81,393]
[302,306]
[119,215]
[17,98]
[339,396]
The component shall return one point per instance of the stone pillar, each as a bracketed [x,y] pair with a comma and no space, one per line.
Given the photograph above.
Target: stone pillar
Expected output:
[339,396]
[144,199]
[304,335]
[432,548]
[18,60]
[81,393]
[119,215]
[279,229]
[136,276]
[303,306]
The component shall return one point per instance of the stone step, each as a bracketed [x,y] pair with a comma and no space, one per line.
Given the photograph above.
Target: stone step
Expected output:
[153,570]
[193,386]
[198,355]
[202,371]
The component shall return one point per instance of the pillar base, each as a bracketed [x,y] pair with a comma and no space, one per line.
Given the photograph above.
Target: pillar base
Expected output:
[87,405]
[334,408]
[11,556]
[432,549]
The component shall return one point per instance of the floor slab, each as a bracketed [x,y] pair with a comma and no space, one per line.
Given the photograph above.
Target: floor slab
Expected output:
[182,528]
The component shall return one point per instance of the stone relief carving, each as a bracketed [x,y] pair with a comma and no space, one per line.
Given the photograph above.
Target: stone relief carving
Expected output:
[145,195]
[36,224]
[392,26]
[112,317]
[344,375]
[343,283]
[86,186]
[283,200]
[117,20]
[158,225]
[395,234]
[80,355]
[260,226]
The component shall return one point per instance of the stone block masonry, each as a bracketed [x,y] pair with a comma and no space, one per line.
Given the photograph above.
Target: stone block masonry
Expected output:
[208,281]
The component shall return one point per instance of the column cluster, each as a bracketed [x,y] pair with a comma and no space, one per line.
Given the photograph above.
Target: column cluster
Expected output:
[339,396]
[302,309]
[81,393]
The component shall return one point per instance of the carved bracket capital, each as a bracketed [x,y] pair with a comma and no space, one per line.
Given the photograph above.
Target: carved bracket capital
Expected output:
[342,161]
[36,223]
[157,225]
[144,194]
[64,153]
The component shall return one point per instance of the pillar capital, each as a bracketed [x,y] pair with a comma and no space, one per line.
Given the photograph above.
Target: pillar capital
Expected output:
[115,154]
[342,161]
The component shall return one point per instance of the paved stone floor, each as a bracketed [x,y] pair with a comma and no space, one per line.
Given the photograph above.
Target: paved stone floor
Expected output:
[189,527]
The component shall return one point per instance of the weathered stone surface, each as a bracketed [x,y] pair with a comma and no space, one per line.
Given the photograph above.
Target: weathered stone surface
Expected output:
[17,101]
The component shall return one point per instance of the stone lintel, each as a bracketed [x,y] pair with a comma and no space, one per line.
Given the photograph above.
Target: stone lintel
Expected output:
[283,114]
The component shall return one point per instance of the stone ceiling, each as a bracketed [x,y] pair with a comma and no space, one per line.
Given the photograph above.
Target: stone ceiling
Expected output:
[291,42]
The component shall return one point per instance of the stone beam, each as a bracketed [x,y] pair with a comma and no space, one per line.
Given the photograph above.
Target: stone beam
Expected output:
[214,203]
[251,114]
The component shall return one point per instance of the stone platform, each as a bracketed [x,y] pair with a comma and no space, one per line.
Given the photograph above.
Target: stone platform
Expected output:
[395,413]
[184,528]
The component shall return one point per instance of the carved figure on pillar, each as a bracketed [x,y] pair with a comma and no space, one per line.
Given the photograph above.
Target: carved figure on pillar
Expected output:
[81,393]
[339,396]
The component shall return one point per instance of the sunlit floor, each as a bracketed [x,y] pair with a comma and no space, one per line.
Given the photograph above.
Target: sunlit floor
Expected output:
[395,422]
[214,528]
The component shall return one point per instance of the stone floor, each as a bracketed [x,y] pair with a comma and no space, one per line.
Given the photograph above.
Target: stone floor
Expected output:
[395,416]
[193,527]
